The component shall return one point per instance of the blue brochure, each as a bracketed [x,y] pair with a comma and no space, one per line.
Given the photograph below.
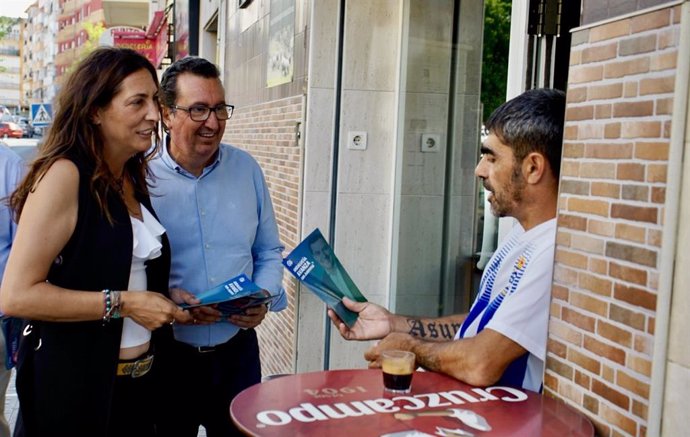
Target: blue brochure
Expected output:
[314,264]
[234,296]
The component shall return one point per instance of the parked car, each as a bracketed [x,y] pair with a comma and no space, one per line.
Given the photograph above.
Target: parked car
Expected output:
[9,129]
[27,129]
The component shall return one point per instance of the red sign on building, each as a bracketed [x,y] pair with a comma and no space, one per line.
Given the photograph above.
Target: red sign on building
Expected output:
[152,43]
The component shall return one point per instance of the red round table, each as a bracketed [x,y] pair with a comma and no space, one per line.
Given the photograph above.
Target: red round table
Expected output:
[353,403]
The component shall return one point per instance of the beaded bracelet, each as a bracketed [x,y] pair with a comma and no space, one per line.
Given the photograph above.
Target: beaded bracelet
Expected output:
[113,304]
[108,305]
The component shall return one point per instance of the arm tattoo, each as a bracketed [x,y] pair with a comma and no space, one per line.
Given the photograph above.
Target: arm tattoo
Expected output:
[416,328]
[432,330]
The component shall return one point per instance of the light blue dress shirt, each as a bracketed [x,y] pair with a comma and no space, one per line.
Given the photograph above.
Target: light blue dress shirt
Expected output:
[220,224]
[11,171]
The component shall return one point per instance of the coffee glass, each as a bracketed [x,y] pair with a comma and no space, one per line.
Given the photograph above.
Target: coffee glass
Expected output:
[397,367]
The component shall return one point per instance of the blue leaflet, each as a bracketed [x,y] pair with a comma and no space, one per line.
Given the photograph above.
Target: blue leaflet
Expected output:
[314,264]
[234,296]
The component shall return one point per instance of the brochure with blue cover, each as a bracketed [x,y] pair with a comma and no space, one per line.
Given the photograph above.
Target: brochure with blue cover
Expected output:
[234,296]
[314,263]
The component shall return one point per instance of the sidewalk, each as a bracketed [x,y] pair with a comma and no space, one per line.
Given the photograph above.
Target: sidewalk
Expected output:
[11,403]
[12,407]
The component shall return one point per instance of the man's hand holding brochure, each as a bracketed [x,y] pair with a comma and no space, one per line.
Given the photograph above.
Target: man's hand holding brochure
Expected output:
[314,264]
[233,296]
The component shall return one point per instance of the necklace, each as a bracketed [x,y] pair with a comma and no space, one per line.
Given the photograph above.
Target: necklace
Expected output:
[119,185]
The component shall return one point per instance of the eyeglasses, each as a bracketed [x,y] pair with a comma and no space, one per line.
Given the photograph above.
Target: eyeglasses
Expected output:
[201,113]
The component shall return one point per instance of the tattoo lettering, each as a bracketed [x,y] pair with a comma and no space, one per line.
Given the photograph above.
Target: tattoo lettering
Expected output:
[416,328]
[433,333]
[448,331]
[432,329]
[445,331]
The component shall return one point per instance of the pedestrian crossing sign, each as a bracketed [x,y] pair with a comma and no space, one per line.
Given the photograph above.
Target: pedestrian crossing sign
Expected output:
[41,114]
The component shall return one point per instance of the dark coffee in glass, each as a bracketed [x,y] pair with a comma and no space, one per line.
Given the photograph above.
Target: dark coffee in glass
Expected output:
[398,367]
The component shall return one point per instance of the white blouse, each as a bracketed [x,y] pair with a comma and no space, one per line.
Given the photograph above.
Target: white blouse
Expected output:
[146,245]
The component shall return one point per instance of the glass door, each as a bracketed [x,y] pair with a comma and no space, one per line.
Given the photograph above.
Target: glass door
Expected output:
[438,219]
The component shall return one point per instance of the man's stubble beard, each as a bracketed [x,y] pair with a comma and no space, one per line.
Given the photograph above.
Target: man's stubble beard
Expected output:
[511,197]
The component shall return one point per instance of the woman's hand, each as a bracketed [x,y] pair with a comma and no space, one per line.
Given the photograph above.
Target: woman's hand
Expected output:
[151,310]
[201,315]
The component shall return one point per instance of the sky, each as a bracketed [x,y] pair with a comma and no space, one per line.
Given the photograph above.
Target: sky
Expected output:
[14,8]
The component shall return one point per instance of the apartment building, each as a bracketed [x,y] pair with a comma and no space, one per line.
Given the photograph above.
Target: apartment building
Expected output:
[10,66]
[58,32]
[38,55]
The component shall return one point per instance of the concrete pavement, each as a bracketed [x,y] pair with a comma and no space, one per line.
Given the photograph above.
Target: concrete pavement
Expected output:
[11,403]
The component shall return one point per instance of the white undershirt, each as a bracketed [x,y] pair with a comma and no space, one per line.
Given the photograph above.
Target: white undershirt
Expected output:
[146,245]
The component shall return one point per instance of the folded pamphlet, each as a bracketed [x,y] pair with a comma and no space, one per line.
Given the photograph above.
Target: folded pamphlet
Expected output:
[234,296]
[314,263]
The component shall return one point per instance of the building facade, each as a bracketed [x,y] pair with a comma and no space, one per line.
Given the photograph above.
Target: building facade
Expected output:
[305,77]
[406,222]
[56,35]
[10,66]
[38,54]
[402,208]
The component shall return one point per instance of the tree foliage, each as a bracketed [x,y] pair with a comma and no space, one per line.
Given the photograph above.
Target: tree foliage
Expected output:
[6,24]
[495,54]
[93,34]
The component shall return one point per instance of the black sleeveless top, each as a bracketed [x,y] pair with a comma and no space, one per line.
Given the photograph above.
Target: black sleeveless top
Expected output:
[65,384]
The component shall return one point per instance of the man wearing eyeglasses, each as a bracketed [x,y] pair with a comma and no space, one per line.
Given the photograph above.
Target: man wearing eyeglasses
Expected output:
[214,203]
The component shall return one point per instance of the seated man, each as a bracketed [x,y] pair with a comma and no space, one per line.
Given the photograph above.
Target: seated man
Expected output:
[502,340]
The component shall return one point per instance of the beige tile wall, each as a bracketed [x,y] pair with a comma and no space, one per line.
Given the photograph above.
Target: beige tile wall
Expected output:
[363,208]
[317,168]
[246,42]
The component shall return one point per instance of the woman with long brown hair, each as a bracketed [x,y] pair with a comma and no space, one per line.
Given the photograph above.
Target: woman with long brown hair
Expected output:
[89,266]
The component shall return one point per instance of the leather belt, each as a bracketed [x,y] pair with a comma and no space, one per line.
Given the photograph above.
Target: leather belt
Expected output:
[136,368]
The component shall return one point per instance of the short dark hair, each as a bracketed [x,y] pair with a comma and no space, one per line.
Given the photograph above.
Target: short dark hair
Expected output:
[532,122]
[191,64]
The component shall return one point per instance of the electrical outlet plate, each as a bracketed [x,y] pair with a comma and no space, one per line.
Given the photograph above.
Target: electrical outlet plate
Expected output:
[357,140]
[431,142]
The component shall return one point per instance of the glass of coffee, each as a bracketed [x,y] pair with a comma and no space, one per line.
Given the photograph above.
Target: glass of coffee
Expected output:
[397,367]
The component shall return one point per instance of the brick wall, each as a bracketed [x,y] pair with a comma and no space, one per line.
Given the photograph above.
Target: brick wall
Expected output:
[269,132]
[611,204]
[599,10]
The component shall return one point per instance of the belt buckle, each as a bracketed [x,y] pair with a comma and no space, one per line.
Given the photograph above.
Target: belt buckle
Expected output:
[205,349]
[141,367]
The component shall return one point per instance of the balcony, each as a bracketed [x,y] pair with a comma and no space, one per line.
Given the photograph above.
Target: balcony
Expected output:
[66,33]
[97,16]
[68,7]
[65,58]
[126,12]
